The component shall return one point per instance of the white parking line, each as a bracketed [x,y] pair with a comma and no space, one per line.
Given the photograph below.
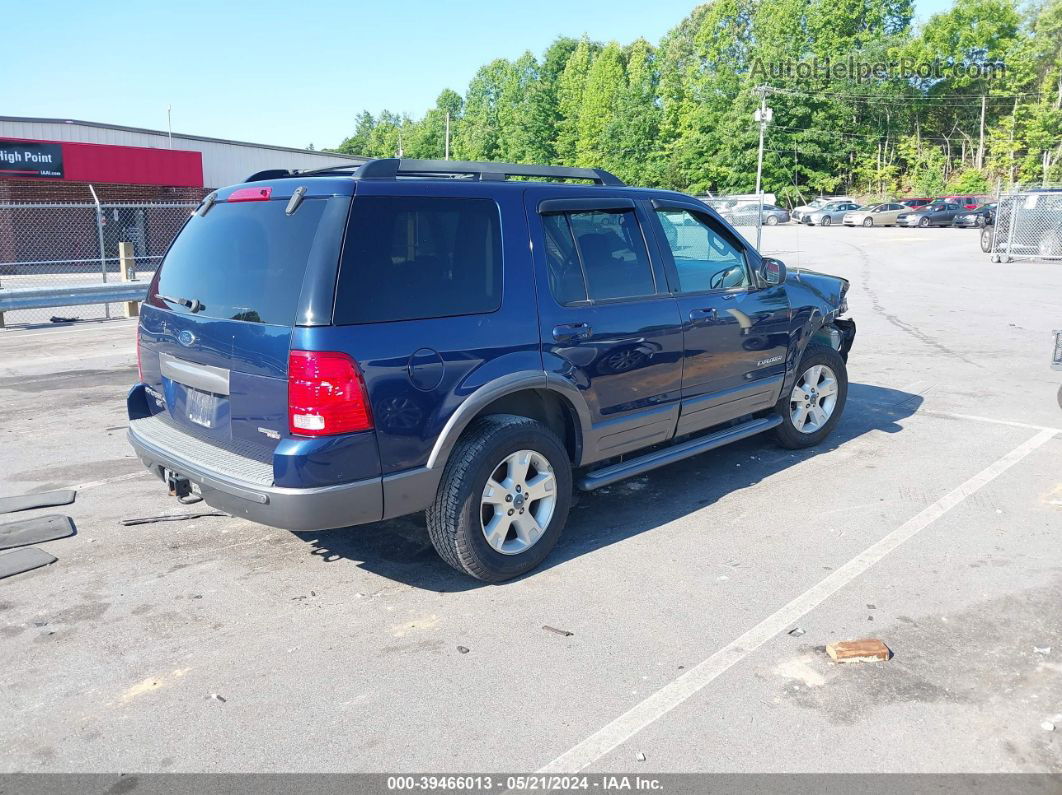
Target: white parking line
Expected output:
[700,676]
[104,481]
[975,418]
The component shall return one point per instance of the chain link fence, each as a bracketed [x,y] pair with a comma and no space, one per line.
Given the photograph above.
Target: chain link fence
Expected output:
[1028,225]
[64,244]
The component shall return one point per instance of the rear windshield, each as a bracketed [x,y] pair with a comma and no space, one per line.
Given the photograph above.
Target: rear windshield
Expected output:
[409,258]
[242,261]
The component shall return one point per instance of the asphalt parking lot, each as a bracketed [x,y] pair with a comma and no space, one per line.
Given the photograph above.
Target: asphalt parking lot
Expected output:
[931,520]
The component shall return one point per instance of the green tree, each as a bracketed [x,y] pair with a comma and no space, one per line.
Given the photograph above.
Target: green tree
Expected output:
[571,86]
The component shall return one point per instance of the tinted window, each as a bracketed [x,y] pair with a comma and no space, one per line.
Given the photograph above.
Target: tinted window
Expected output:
[565,273]
[705,258]
[242,261]
[415,258]
[597,255]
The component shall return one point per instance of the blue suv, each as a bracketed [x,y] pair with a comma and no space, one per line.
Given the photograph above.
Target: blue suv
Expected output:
[337,347]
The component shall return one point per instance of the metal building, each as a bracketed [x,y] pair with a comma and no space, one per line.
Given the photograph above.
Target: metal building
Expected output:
[58,151]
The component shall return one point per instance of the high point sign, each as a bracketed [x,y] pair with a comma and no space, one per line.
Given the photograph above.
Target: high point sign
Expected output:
[29,159]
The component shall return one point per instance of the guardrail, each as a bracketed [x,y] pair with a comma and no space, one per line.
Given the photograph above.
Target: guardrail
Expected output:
[129,291]
[73,295]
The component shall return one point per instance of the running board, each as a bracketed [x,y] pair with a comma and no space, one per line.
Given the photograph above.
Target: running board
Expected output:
[669,455]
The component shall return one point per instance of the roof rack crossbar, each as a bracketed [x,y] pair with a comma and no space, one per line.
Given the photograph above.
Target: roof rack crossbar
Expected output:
[392,168]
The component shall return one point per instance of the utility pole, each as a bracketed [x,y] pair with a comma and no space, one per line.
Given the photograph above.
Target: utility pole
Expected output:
[763,115]
[447,135]
[169,124]
[981,144]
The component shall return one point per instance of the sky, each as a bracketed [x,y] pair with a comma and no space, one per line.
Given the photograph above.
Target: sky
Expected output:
[287,73]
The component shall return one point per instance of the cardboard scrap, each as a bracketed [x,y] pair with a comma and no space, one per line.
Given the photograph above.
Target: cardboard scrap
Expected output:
[847,651]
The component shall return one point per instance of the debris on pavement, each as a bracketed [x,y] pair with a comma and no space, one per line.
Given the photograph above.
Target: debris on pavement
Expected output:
[217,697]
[22,560]
[173,517]
[562,632]
[45,499]
[463,649]
[846,651]
[1044,650]
[23,532]
[796,632]
[1047,726]
[640,757]
[61,319]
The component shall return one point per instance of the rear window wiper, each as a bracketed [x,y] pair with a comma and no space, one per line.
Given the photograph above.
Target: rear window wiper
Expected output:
[194,304]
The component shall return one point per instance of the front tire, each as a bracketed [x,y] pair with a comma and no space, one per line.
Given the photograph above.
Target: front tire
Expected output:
[771,220]
[814,406]
[503,499]
[924,223]
[986,240]
[826,220]
[868,222]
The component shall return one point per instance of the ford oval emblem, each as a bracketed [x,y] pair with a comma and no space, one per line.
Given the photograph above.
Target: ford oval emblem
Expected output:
[186,338]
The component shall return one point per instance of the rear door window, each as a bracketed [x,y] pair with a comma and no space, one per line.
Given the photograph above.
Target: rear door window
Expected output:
[597,256]
[241,261]
[410,258]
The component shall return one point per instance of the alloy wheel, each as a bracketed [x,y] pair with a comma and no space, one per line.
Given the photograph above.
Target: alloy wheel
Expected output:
[813,399]
[518,502]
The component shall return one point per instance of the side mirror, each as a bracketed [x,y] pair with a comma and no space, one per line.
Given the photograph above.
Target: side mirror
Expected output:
[772,270]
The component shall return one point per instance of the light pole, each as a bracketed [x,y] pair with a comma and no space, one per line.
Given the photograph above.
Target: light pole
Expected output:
[762,115]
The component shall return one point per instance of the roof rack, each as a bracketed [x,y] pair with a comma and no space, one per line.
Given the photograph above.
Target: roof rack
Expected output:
[393,168]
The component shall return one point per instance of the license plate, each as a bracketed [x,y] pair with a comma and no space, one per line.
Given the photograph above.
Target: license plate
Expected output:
[202,408]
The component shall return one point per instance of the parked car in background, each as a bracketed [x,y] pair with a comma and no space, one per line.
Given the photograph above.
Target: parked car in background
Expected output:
[798,213]
[935,214]
[979,217]
[745,215]
[325,349]
[829,213]
[916,202]
[876,215]
[966,202]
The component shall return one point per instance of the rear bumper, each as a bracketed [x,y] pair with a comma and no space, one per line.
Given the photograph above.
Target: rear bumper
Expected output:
[322,508]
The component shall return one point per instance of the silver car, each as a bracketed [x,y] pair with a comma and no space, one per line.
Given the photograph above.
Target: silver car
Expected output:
[877,215]
[798,213]
[829,213]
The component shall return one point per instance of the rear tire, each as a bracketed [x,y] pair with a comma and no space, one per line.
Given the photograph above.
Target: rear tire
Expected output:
[771,220]
[457,522]
[986,239]
[814,406]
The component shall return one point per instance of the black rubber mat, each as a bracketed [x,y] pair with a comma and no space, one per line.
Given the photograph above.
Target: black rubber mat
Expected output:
[46,499]
[25,559]
[24,532]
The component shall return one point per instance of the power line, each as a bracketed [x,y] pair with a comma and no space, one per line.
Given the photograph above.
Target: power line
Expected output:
[949,99]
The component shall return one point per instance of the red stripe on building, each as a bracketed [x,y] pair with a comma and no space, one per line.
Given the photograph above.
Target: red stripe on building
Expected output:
[128,165]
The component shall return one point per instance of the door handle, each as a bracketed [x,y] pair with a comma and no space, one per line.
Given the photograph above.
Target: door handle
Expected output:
[570,332]
[702,315]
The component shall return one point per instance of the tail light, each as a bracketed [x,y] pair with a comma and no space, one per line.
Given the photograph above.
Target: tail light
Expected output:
[326,394]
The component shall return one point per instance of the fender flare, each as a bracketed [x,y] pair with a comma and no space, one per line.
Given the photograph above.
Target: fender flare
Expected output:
[500,387]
